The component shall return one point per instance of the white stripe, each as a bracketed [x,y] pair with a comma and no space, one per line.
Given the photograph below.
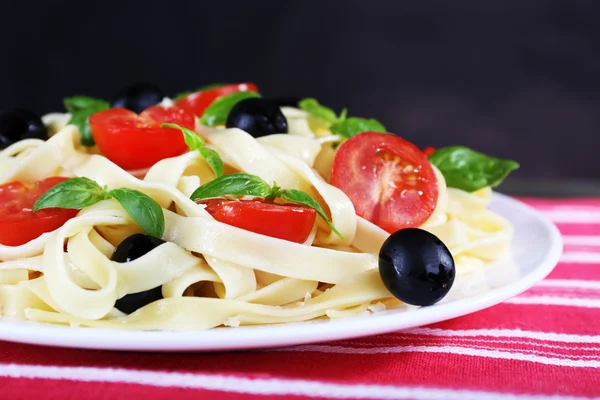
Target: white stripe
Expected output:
[499,345]
[581,240]
[258,386]
[487,341]
[555,301]
[463,351]
[584,257]
[569,283]
[508,333]
[574,216]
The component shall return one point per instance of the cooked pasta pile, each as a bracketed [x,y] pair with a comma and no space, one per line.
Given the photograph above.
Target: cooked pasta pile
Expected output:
[213,274]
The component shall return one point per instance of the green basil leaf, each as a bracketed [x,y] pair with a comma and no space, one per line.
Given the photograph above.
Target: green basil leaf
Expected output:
[275,190]
[143,209]
[217,112]
[213,159]
[78,103]
[81,119]
[343,115]
[192,139]
[211,86]
[469,170]
[74,193]
[196,142]
[233,185]
[318,111]
[353,126]
[181,95]
[300,197]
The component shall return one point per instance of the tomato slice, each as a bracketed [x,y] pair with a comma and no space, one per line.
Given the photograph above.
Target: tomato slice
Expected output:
[18,223]
[389,180]
[198,102]
[290,222]
[135,141]
[429,151]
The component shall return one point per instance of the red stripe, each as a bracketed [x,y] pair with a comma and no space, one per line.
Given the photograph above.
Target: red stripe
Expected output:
[578,271]
[570,320]
[49,389]
[578,229]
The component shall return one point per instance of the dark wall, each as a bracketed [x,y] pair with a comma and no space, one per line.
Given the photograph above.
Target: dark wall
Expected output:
[518,79]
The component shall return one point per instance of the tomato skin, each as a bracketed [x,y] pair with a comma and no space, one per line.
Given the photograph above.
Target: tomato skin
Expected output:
[290,222]
[18,223]
[429,151]
[388,179]
[135,141]
[198,102]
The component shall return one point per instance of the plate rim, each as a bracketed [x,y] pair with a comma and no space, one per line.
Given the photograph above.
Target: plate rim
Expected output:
[271,336]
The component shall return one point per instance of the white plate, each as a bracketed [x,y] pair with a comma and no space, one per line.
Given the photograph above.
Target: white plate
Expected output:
[536,248]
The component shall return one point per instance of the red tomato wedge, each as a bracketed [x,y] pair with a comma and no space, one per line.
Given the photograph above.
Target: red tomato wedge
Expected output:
[18,223]
[198,102]
[389,180]
[283,221]
[135,141]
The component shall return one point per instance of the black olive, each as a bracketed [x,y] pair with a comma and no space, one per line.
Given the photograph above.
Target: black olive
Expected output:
[286,101]
[258,117]
[416,267]
[18,124]
[128,250]
[138,97]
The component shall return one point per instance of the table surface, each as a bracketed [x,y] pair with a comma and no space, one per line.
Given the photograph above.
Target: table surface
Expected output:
[543,344]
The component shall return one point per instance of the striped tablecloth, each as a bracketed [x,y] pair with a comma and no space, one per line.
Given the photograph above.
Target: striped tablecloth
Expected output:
[543,344]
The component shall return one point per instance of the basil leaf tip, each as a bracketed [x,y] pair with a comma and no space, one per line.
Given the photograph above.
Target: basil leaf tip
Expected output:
[78,103]
[300,197]
[352,126]
[182,95]
[196,143]
[317,110]
[81,109]
[213,159]
[470,170]
[192,139]
[143,209]
[342,125]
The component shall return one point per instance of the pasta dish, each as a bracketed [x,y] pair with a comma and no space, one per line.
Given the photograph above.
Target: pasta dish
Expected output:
[224,208]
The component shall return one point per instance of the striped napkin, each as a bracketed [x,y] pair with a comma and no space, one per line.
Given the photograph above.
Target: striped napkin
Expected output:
[543,344]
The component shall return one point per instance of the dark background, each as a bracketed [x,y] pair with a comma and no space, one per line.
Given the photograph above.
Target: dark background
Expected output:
[517,79]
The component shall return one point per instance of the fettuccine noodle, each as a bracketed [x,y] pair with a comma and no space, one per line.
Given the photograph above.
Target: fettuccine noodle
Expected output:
[213,274]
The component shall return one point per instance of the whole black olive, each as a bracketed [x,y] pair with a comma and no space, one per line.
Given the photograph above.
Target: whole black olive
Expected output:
[18,124]
[416,267]
[128,250]
[258,117]
[138,97]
